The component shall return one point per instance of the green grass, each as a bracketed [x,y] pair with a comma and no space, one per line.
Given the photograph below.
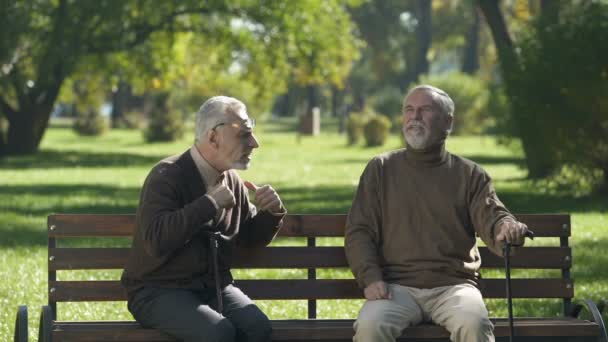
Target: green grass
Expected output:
[72,174]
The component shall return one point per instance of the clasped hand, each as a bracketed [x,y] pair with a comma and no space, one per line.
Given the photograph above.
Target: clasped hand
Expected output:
[266,197]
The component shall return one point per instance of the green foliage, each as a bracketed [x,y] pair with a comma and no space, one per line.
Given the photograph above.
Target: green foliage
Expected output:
[90,123]
[247,49]
[376,130]
[470,95]
[354,127]
[388,101]
[564,84]
[164,124]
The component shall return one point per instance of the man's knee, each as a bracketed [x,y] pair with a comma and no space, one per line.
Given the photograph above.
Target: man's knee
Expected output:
[370,329]
[471,327]
[222,331]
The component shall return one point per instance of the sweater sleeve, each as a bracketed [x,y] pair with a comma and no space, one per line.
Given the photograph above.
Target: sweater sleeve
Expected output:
[363,228]
[485,209]
[164,224]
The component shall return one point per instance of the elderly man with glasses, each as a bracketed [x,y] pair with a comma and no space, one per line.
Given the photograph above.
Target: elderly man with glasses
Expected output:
[194,210]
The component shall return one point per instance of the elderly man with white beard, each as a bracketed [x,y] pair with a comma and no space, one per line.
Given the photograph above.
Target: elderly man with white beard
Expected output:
[411,231]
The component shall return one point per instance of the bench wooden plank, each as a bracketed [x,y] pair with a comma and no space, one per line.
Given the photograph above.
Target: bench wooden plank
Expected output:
[331,329]
[111,290]
[78,225]
[302,226]
[298,257]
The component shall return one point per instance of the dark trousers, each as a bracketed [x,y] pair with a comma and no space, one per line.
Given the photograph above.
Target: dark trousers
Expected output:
[189,315]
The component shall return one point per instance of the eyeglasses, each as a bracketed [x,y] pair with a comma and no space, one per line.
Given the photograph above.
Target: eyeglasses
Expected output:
[248,123]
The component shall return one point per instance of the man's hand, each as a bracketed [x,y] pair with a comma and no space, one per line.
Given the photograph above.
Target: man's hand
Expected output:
[266,198]
[511,231]
[222,195]
[377,290]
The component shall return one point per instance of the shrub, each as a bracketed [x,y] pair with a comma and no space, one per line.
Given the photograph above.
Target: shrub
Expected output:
[90,124]
[470,95]
[388,101]
[354,127]
[164,124]
[376,130]
[566,112]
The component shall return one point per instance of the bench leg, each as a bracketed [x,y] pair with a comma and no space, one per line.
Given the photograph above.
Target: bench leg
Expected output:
[21,324]
[46,324]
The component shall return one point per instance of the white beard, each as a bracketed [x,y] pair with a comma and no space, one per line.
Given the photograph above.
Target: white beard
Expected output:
[240,165]
[417,138]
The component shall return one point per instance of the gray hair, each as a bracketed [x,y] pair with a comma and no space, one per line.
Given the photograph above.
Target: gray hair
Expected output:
[443,101]
[212,112]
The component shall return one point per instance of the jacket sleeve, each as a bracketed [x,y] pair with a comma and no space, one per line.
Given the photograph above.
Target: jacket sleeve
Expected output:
[485,209]
[164,222]
[257,229]
[363,228]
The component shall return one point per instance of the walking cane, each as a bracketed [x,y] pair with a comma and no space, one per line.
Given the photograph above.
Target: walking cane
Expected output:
[506,251]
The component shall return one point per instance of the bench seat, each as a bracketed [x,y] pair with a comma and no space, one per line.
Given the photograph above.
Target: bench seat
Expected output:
[322,330]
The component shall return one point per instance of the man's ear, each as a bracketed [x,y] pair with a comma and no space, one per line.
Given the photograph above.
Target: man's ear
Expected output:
[213,138]
[450,123]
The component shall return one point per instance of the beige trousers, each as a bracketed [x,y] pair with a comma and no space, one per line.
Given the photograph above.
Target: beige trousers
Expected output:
[459,309]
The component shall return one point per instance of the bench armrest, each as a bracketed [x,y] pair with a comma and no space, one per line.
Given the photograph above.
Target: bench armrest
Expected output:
[596,313]
[47,316]
[21,324]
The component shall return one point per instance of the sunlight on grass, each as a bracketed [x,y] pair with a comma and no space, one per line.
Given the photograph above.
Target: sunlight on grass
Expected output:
[313,175]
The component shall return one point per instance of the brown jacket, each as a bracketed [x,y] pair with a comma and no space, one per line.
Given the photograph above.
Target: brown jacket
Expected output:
[171,244]
[415,216]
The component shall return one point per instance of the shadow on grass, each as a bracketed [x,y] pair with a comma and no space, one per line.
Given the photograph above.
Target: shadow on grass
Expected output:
[25,225]
[533,202]
[60,159]
[317,200]
[98,199]
[23,235]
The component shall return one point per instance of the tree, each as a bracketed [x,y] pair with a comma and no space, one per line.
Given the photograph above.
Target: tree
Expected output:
[539,159]
[51,40]
[570,105]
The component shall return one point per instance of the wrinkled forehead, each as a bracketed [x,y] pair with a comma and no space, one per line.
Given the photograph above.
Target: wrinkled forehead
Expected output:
[420,96]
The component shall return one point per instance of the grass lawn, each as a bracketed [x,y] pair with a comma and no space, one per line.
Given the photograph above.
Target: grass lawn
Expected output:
[73,174]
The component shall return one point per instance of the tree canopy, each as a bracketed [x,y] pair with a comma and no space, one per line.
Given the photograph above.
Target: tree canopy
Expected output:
[263,43]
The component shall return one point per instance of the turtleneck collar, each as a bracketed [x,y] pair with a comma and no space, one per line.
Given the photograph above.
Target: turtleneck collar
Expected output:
[433,155]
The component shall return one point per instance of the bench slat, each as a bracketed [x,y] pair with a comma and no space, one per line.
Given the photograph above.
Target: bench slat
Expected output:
[77,225]
[298,257]
[111,290]
[336,329]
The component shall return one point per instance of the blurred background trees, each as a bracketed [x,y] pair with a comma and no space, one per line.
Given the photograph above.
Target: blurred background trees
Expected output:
[531,71]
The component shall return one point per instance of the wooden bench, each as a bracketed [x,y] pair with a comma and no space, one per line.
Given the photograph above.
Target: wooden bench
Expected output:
[311,257]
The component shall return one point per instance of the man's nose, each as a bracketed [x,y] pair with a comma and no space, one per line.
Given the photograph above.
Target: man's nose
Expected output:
[253,142]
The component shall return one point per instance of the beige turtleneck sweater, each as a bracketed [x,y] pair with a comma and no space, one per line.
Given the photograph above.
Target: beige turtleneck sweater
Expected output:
[414,218]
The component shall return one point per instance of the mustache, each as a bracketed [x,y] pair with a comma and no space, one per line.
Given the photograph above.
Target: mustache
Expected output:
[415,124]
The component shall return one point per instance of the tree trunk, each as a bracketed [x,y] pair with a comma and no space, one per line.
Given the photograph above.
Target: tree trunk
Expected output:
[313,97]
[470,59]
[539,160]
[420,64]
[119,101]
[26,130]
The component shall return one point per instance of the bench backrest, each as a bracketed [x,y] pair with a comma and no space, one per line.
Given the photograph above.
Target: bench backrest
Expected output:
[307,256]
